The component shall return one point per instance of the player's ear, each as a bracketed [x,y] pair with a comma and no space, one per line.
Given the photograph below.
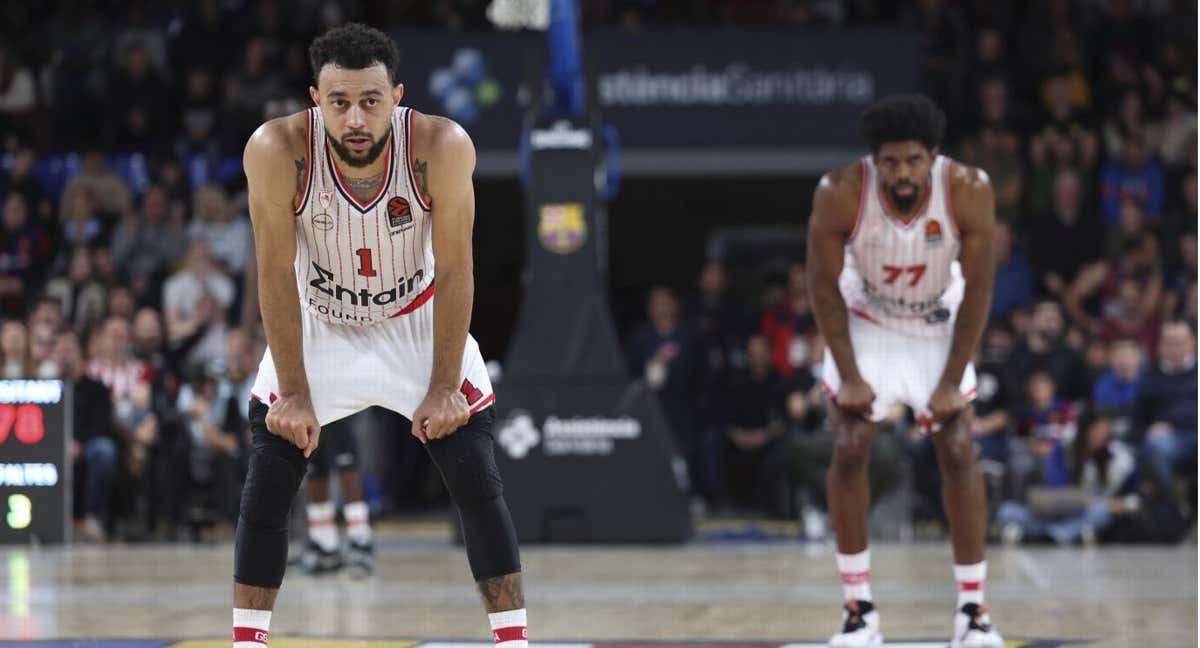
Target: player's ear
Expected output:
[398,93]
[314,95]
[933,152]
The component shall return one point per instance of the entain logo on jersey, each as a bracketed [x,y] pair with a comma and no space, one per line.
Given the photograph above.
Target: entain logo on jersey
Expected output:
[321,220]
[364,297]
[561,227]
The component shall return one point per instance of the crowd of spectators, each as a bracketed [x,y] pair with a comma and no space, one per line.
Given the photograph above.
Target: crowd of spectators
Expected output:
[122,268]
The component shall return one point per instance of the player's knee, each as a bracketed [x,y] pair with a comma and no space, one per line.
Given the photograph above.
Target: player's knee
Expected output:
[851,450]
[957,454]
[276,470]
[467,461]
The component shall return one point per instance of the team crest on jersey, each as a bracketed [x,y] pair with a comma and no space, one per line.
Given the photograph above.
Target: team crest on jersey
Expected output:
[933,232]
[399,213]
[561,227]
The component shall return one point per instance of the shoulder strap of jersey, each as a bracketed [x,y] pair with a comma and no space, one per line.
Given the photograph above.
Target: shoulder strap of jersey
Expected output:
[309,158]
[417,189]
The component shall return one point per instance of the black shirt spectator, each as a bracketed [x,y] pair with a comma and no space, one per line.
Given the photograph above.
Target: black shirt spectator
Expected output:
[1065,239]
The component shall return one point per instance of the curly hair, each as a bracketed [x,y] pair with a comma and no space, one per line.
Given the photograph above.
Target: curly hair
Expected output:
[901,118]
[354,46]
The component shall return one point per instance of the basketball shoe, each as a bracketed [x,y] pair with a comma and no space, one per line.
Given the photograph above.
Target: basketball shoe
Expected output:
[860,627]
[973,628]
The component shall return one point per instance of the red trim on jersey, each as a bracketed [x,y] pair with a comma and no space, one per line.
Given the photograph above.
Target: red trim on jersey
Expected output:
[828,390]
[950,200]
[863,315]
[308,161]
[483,403]
[349,195]
[862,197]
[420,300]
[251,635]
[425,201]
[890,210]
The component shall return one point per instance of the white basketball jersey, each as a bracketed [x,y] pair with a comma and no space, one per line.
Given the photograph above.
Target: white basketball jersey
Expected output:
[361,262]
[905,276]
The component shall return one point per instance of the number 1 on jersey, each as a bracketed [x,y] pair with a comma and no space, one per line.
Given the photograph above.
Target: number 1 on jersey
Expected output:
[364,260]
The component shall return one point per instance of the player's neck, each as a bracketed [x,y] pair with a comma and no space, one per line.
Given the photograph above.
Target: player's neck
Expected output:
[372,170]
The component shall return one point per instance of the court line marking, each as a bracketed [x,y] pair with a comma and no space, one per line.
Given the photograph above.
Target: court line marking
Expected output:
[1029,569]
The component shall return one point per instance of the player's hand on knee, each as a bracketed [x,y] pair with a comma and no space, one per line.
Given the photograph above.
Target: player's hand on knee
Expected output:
[855,397]
[441,414]
[292,418]
[946,403]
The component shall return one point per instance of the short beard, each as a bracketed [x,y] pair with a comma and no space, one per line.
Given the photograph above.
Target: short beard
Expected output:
[372,153]
[905,203]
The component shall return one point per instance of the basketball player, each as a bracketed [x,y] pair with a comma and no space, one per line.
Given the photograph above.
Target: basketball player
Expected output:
[352,201]
[338,452]
[900,277]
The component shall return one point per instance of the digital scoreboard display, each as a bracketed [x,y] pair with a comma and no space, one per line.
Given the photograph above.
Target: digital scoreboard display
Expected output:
[35,471]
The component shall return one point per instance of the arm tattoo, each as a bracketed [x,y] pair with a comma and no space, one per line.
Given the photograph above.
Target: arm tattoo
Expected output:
[502,593]
[300,170]
[421,170]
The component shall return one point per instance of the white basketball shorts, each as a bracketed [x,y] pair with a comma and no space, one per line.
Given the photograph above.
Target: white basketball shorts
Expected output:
[899,368]
[351,368]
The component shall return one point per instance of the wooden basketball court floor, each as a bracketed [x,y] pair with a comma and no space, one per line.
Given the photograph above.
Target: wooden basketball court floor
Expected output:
[763,595]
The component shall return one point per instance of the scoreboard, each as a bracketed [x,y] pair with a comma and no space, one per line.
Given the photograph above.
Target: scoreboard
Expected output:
[35,471]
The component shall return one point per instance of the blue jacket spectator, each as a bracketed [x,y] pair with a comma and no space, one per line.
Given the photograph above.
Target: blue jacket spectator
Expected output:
[1014,275]
[1135,176]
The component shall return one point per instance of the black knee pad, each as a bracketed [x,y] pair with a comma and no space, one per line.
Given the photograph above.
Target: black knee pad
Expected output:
[467,462]
[276,470]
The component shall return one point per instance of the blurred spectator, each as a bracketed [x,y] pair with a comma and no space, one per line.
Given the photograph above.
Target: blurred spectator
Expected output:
[217,443]
[1178,141]
[1044,348]
[199,113]
[1179,300]
[137,31]
[1064,240]
[42,364]
[1116,390]
[114,364]
[105,186]
[24,254]
[94,444]
[206,37]
[18,97]
[49,311]
[1165,413]
[148,242]
[719,316]
[83,223]
[247,90]
[137,105]
[82,296]
[668,356]
[790,324]
[221,228]
[14,348]
[748,461]
[1046,425]
[22,180]
[994,397]
[1136,176]
[1014,276]
[1103,486]
[1120,297]
[196,302]
[996,147]
[1129,122]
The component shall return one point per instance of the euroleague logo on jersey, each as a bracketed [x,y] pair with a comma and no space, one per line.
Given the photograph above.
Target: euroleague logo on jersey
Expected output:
[933,232]
[399,213]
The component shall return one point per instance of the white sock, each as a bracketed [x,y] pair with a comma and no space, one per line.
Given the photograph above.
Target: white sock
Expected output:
[321,529]
[250,628]
[508,629]
[856,575]
[970,582]
[358,522]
